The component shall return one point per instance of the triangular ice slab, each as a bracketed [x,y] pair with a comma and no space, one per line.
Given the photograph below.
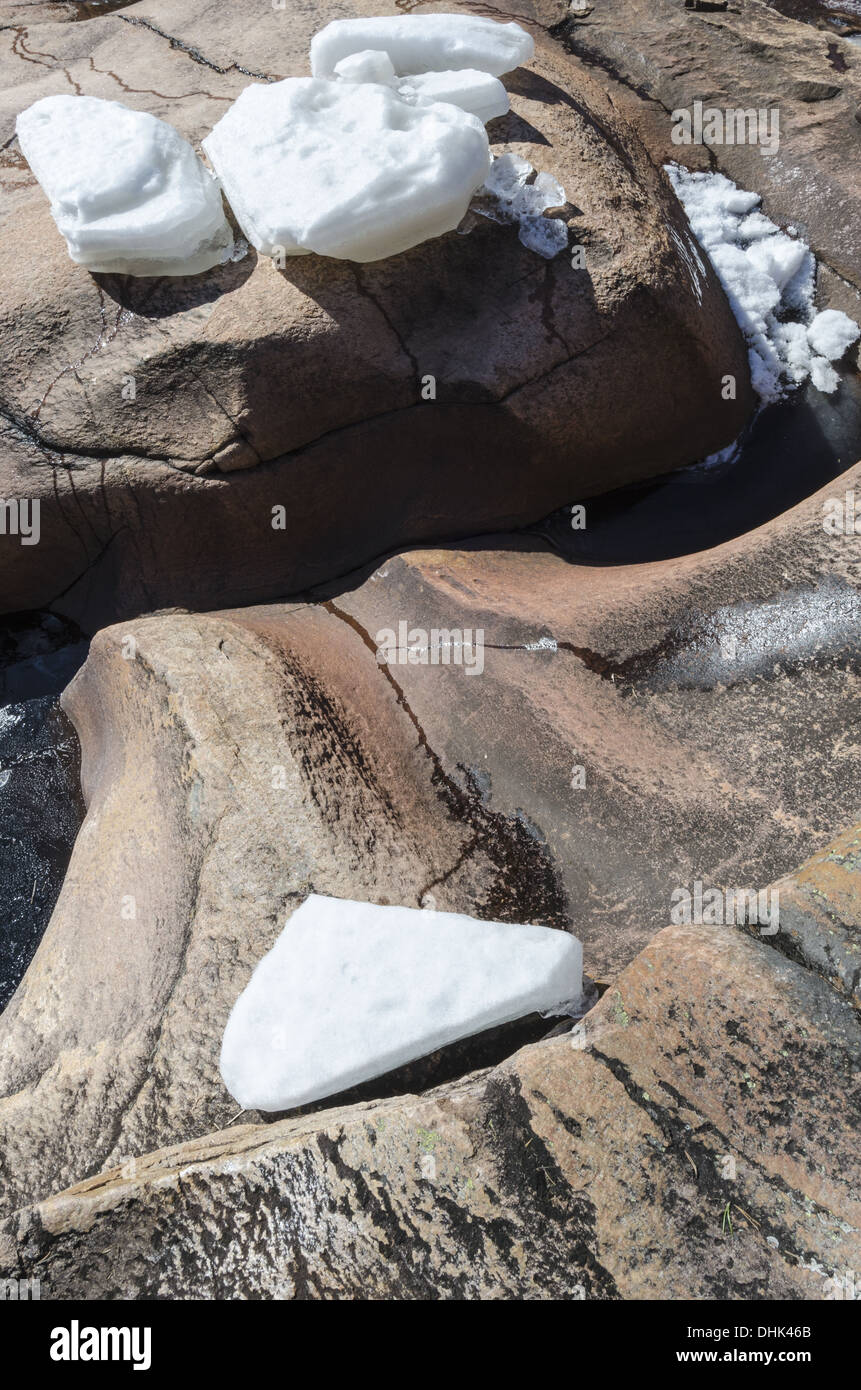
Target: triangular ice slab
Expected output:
[350,991]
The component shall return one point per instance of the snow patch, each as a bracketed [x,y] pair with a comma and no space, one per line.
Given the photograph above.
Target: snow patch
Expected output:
[346,169]
[127,192]
[424,43]
[832,333]
[769,277]
[351,990]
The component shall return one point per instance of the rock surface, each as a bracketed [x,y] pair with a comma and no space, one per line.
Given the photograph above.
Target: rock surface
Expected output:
[695,1139]
[820,914]
[236,761]
[632,729]
[141,414]
[749,56]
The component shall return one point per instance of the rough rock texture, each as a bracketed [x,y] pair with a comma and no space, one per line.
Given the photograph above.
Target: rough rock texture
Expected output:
[749,56]
[696,1139]
[820,913]
[234,762]
[143,414]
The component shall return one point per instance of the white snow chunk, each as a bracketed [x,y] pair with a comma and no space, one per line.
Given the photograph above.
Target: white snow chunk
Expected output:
[770,280]
[350,991]
[468,88]
[832,333]
[127,192]
[345,169]
[425,43]
[370,65]
[507,196]
[823,375]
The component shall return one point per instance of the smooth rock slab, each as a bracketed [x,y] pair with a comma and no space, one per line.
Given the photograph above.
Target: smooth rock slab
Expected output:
[422,779]
[352,990]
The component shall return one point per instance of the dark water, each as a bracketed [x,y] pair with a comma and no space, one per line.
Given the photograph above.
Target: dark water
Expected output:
[40,801]
[793,449]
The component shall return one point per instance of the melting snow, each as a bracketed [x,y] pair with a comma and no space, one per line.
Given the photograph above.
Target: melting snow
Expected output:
[424,43]
[769,278]
[351,990]
[345,168]
[126,190]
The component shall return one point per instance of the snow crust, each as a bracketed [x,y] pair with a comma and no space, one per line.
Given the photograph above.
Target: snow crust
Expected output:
[351,990]
[345,168]
[770,278]
[508,196]
[127,192]
[425,43]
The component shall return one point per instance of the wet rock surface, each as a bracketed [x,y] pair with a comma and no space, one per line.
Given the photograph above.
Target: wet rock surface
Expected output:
[820,922]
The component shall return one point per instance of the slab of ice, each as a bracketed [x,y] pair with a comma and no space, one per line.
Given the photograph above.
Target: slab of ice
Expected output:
[126,190]
[425,43]
[769,277]
[469,89]
[345,169]
[350,991]
[478,92]
[508,196]
[371,65]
